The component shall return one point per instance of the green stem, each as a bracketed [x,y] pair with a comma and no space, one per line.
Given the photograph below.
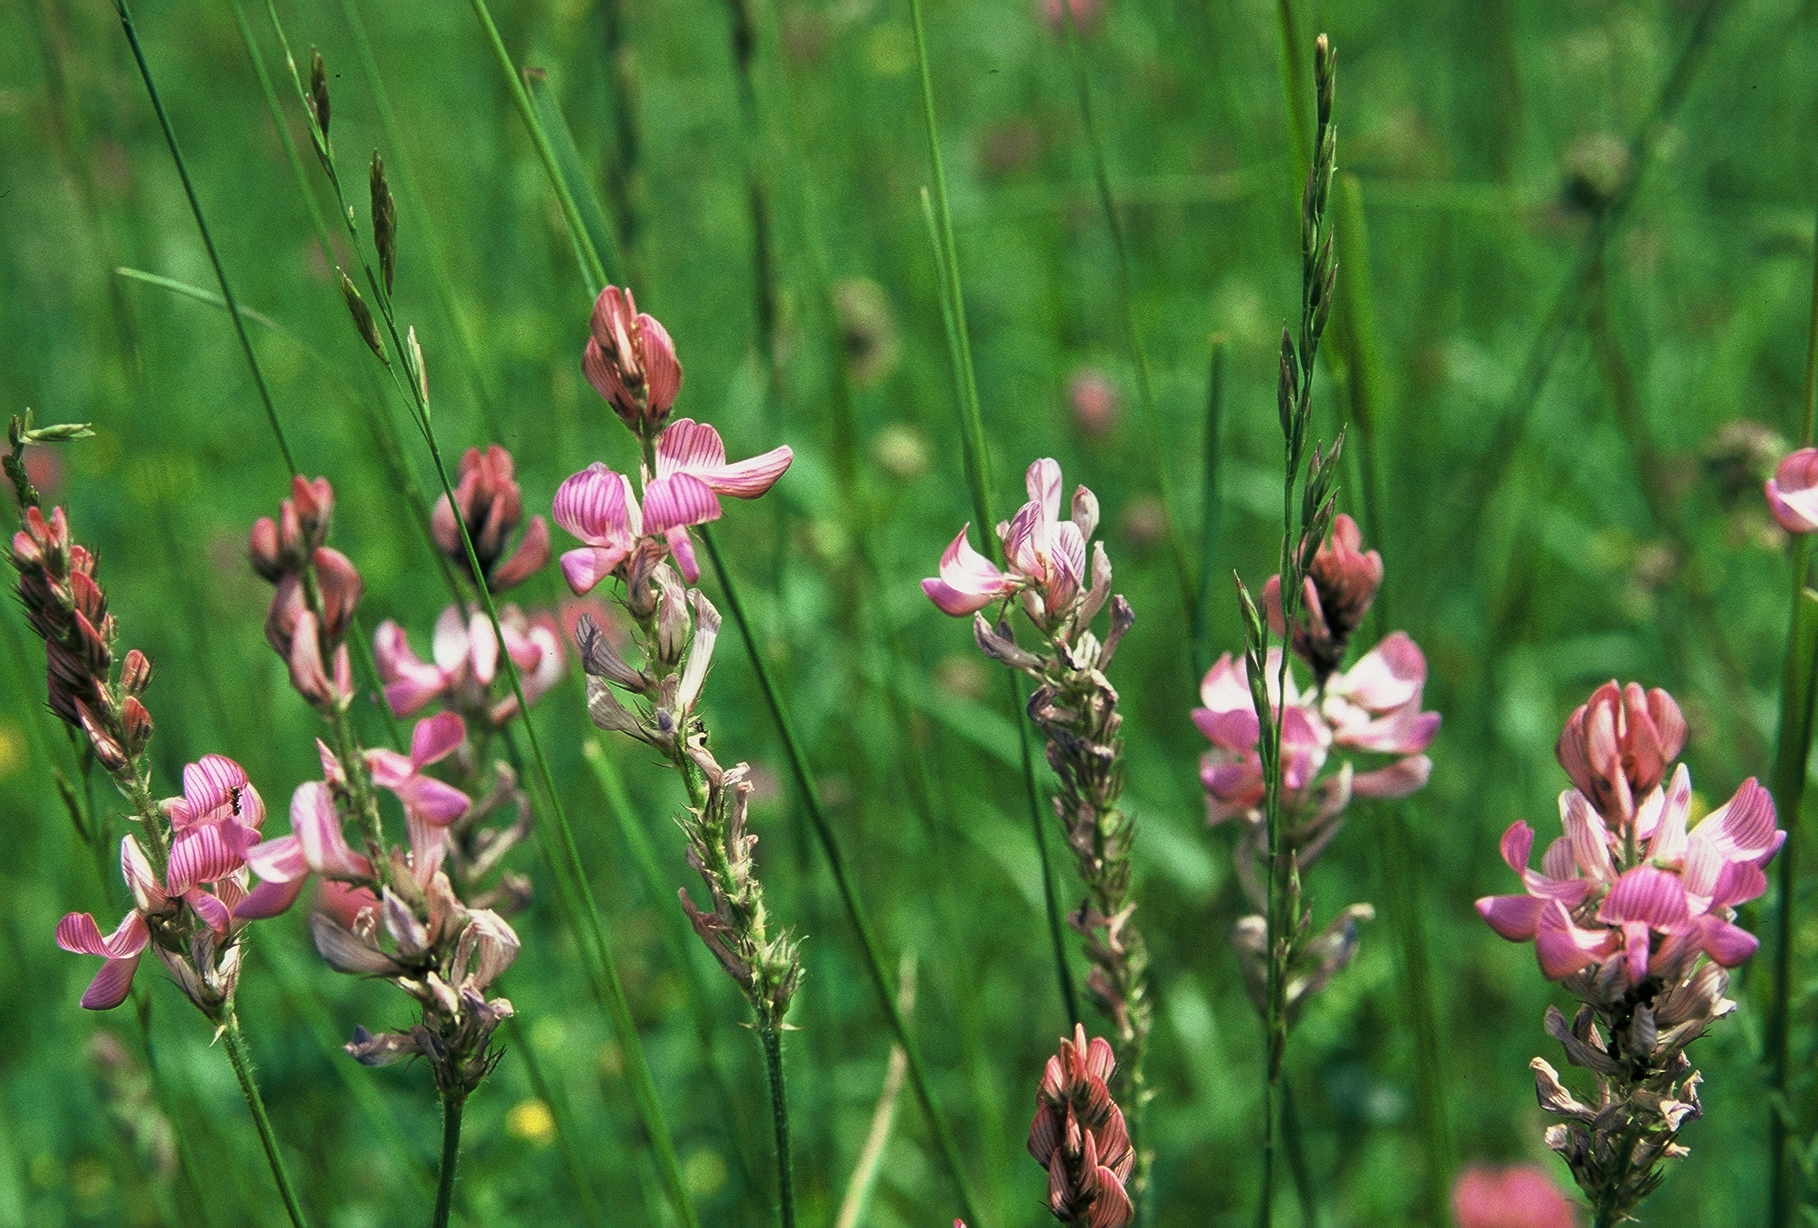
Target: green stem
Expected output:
[855,909]
[195,207]
[235,1044]
[452,1105]
[1145,392]
[779,1117]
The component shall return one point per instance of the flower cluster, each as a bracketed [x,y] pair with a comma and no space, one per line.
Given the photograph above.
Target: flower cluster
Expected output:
[315,591]
[1357,732]
[1075,707]
[1079,1136]
[491,506]
[631,362]
[464,663]
[1633,911]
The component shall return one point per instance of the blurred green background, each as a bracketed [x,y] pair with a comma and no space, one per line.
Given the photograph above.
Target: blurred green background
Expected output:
[1578,292]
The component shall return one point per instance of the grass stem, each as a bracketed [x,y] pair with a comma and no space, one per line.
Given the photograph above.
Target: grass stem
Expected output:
[452,1105]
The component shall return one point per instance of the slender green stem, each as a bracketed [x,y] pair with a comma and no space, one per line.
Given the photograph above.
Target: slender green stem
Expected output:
[1797,687]
[1304,1190]
[594,271]
[235,1045]
[855,909]
[1209,509]
[1145,390]
[195,206]
[972,438]
[779,1119]
[452,1105]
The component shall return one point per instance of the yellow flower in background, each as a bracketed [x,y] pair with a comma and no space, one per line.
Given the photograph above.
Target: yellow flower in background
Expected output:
[531,1121]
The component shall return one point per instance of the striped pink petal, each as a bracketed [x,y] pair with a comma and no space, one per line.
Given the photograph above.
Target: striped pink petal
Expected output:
[1563,948]
[1043,482]
[1515,917]
[1647,894]
[679,499]
[201,856]
[111,984]
[78,934]
[136,868]
[279,861]
[214,912]
[209,783]
[598,506]
[682,546]
[318,831]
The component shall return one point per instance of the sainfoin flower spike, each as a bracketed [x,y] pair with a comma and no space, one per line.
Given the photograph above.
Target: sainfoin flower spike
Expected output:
[1079,1136]
[491,505]
[1633,911]
[1045,556]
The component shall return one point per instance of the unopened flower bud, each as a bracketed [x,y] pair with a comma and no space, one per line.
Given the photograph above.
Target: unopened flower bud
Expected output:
[138,724]
[315,503]
[264,550]
[339,582]
[135,673]
[631,361]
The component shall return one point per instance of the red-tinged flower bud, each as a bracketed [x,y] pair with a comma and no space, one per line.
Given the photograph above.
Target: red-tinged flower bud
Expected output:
[291,548]
[338,581]
[70,683]
[264,550]
[304,658]
[489,502]
[26,553]
[87,598]
[1341,584]
[135,673]
[287,605]
[109,752]
[137,723]
[315,503]
[92,645]
[631,361]
[1617,746]
[1079,1136]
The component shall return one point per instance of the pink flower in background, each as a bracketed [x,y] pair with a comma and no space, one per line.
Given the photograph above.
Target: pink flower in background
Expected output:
[1340,586]
[1792,493]
[1232,770]
[631,361]
[1673,902]
[491,505]
[429,804]
[599,507]
[1519,1197]
[465,661]
[1375,706]
[1085,14]
[1046,555]
[1093,399]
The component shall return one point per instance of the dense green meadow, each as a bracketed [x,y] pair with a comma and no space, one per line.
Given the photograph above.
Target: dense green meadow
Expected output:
[1575,250]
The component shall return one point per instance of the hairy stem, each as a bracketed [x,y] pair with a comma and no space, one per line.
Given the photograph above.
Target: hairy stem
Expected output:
[779,1118]
[235,1045]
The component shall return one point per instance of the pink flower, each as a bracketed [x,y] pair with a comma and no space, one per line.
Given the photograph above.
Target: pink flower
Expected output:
[1232,770]
[1340,586]
[464,664]
[1519,1197]
[1093,400]
[691,474]
[1673,902]
[1046,555]
[214,824]
[631,361]
[1375,706]
[429,804]
[599,507]
[315,845]
[491,505]
[1079,1136]
[1792,493]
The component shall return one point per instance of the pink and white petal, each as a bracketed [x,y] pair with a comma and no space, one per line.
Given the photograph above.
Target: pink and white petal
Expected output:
[1738,883]
[1563,948]
[436,738]
[1066,556]
[318,831]
[952,601]
[1404,731]
[111,984]
[209,782]
[1557,862]
[592,505]
[682,546]
[482,648]
[662,371]
[1234,729]
[252,807]
[1635,944]
[214,913]
[679,499]
[136,868]
[687,446]
[433,801]
[747,479]
[1402,778]
[1043,481]
[1517,847]
[1743,827]
[586,567]
[1590,838]
[1647,895]
[1515,917]
[269,899]
[1791,496]
[1726,944]
[1661,818]
[389,769]
[1225,687]
[331,765]
[279,861]
[1387,677]
[965,570]
[428,845]
[450,645]
[201,855]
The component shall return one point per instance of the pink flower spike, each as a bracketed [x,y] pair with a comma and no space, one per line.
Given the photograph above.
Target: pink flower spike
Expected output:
[1792,493]
[968,581]
[695,448]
